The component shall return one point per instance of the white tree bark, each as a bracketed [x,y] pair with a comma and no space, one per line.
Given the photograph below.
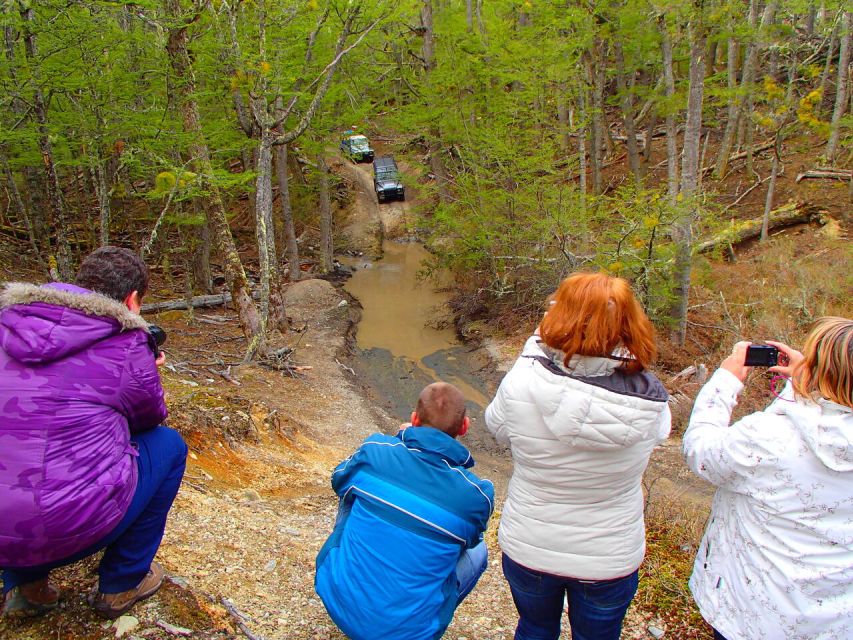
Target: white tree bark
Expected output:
[682,231]
[326,243]
[846,37]
[671,133]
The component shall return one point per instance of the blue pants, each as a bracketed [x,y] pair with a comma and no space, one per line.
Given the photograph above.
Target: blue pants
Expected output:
[470,567]
[596,608]
[131,545]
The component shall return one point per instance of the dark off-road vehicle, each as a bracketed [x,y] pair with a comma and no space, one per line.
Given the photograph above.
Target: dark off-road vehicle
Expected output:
[386,180]
[357,148]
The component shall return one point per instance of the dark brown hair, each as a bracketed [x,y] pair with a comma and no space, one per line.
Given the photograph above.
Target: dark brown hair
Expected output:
[115,272]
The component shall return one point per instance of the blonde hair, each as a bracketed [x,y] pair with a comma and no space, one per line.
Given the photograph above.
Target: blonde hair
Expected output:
[827,369]
[592,314]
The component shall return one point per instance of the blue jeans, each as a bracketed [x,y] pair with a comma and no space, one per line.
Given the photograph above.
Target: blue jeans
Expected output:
[130,547]
[596,607]
[718,635]
[472,563]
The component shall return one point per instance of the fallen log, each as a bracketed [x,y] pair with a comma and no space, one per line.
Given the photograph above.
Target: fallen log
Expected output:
[785,216]
[197,302]
[826,174]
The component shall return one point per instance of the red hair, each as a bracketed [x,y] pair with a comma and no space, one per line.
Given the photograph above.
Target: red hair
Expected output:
[592,314]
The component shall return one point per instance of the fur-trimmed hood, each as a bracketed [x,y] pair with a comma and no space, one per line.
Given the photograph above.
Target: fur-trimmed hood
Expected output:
[40,324]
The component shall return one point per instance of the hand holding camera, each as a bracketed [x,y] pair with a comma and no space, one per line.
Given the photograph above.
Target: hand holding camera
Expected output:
[776,356]
[156,338]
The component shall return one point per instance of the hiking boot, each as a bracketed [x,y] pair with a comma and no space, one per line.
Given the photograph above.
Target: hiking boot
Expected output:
[112,605]
[30,600]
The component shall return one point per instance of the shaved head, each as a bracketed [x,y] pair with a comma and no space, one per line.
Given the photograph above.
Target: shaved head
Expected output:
[442,406]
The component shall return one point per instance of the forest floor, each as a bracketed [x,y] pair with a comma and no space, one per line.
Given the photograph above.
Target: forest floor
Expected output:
[256,504]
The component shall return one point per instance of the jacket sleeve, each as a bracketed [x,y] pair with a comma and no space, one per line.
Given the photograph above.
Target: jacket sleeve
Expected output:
[495,414]
[344,475]
[665,425]
[141,396]
[726,456]
[488,490]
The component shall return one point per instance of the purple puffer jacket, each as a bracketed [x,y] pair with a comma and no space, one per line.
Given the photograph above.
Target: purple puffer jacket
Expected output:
[77,376]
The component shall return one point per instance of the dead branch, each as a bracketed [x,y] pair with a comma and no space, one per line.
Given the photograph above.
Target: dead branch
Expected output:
[240,618]
[757,184]
[784,216]
[226,375]
[826,174]
[173,630]
[343,366]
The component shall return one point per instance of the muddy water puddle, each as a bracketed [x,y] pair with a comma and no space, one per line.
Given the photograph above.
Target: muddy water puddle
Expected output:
[399,348]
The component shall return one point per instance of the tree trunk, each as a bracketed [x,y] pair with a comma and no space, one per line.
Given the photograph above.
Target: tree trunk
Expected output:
[563,118]
[768,202]
[583,131]
[845,37]
[201,261]
[428,50]
[682,232]
[481,25]
[32,194]
[186,236]
[326,244]
[235,276]
[732,116]
[627,100]
[597,116]
[711,58]
[287,212]
[745,101]
[810,19]
[436,164]
[17,202]
[102,190]
[263,200]
[469,16]
[671,132]
[434,144]
[827,67]
[54,190]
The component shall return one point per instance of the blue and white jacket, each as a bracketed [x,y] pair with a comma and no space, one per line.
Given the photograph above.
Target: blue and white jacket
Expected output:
[409,509]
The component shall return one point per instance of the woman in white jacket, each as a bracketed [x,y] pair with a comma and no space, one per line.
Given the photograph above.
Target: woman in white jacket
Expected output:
[581,415]
[776,560]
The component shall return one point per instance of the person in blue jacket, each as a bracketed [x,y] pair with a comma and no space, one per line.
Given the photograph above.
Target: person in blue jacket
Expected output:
[407,546]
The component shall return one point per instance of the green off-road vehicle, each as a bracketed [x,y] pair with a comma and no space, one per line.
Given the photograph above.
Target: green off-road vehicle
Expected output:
[357,148]
[386,180]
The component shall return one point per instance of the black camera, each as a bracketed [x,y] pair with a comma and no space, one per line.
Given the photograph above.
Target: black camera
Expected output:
[156,338]
[761,355]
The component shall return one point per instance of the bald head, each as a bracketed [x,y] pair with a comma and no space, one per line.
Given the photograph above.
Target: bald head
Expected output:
[442,406]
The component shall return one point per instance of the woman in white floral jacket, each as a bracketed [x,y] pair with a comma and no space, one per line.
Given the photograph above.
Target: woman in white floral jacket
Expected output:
[776,560]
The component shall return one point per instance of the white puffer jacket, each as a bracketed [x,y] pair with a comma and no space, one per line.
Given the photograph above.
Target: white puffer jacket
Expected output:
[581,438]
[776,561]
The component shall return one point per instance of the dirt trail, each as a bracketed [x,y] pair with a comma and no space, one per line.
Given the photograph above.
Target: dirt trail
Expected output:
[256,504]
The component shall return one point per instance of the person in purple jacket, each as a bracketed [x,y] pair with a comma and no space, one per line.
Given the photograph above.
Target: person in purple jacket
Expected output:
[84,462]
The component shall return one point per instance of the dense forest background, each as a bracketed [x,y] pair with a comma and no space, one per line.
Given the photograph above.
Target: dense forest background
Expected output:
[632,136]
